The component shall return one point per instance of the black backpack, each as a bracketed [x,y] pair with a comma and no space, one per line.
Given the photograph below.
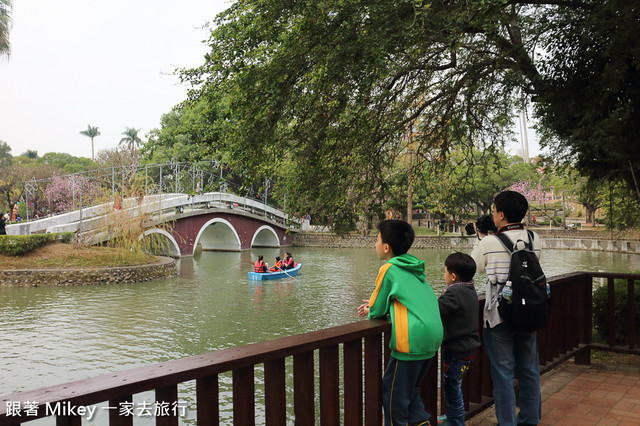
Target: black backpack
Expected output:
[530,305]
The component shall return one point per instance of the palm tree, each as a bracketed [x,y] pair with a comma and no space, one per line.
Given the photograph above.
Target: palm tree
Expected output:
[131,138]
[91,132]
[5,23]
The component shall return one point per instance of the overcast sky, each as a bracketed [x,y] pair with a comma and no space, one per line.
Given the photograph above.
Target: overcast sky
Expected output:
[104,63]
[108,64]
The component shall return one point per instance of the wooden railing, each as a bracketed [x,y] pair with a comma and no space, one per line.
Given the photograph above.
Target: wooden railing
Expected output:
[568,334]
[353,398]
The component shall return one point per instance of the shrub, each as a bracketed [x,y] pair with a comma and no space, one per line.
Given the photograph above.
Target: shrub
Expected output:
[600,318]
[17,245]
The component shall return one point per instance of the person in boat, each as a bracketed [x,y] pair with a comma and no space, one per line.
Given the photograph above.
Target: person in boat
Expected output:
[287,262]
[277,266]
[260,266]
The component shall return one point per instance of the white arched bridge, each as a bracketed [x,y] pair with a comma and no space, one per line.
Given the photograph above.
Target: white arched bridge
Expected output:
[211,221]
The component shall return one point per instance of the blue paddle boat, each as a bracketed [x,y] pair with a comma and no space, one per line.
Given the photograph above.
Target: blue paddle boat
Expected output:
[289,273]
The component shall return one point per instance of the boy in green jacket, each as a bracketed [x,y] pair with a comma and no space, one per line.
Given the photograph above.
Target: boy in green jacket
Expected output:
[416,329]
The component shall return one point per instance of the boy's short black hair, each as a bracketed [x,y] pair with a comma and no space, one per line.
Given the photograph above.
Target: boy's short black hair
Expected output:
[260,257]
[398,234]
[277,257]
[462,265]
[513,204]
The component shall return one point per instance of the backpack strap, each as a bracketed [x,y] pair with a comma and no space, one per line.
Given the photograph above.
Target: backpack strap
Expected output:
[508,244]
[530,234]
[505,240]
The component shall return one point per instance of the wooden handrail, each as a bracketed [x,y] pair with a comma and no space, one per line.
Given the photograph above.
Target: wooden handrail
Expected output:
[124,383]
[365,353]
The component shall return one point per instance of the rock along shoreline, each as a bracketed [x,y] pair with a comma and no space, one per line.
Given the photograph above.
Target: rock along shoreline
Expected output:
[163,268]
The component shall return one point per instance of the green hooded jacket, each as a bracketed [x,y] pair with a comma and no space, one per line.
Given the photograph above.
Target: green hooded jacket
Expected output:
[403,292]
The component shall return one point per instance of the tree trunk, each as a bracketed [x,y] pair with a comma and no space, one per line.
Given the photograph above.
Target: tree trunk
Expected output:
[410,204]
[590,214]
[410,190]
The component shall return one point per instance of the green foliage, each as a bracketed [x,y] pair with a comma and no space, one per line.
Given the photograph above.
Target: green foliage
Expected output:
[5,155]
[17,245]
[590,102]
[92,131]
[67,162]
[188,133]
[600,315]
[469,181]
[131,138]
[621,207]
[30,153]
[323,94]
[5,24]
[328,96]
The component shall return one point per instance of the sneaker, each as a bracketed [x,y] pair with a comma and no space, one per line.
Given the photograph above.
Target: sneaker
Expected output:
[442,420]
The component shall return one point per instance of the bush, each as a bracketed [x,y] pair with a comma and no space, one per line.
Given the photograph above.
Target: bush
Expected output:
[600,324]
[17,245]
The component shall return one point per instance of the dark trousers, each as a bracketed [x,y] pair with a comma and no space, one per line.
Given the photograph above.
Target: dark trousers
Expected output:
[401,400]
[454,371]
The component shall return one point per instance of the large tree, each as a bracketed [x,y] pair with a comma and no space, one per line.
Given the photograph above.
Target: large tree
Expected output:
[326,92]
[91,132]
[186,134]
[589,104]
[5,25]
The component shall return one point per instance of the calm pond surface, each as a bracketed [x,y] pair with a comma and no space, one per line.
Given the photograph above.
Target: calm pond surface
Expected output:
[51,335]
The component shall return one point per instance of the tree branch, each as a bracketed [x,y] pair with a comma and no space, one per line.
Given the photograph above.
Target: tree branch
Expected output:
[574,4]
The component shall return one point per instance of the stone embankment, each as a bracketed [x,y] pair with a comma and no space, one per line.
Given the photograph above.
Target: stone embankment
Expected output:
[165,267]
[551,238]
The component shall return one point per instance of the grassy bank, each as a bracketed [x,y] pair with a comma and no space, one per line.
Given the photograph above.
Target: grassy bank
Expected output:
[60,255]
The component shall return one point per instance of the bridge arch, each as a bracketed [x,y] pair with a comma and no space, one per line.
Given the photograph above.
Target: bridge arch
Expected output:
[172,248]
[265,236]
[218,234]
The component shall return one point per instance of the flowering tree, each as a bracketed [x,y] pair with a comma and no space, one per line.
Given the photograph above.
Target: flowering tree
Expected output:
[70,192]
[531,191]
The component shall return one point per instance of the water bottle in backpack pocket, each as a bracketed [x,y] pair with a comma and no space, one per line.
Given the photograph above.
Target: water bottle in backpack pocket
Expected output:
[529,306]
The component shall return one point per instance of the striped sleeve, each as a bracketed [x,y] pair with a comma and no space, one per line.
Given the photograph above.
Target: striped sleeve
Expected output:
[378,302]
[401,323]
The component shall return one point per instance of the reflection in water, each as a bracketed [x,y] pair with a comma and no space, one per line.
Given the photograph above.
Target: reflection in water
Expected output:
[51,335]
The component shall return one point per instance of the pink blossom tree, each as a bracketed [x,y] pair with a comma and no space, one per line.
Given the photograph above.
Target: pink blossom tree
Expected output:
[65,193]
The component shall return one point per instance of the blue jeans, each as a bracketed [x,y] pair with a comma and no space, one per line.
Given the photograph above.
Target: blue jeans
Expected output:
[510,352]
[401,400]
[455,369]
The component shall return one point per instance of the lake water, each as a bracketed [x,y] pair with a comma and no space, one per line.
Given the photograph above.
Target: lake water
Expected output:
[50,335]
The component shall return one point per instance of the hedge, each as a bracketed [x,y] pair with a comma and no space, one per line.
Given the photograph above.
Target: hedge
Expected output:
[16,245]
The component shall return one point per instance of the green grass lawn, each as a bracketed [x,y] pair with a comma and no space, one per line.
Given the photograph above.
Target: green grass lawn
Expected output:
[60,255]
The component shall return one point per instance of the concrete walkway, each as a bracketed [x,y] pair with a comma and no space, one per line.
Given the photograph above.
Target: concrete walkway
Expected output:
[600,394]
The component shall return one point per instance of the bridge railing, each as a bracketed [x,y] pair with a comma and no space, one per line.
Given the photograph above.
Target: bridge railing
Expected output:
[350,360]
[157,206]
